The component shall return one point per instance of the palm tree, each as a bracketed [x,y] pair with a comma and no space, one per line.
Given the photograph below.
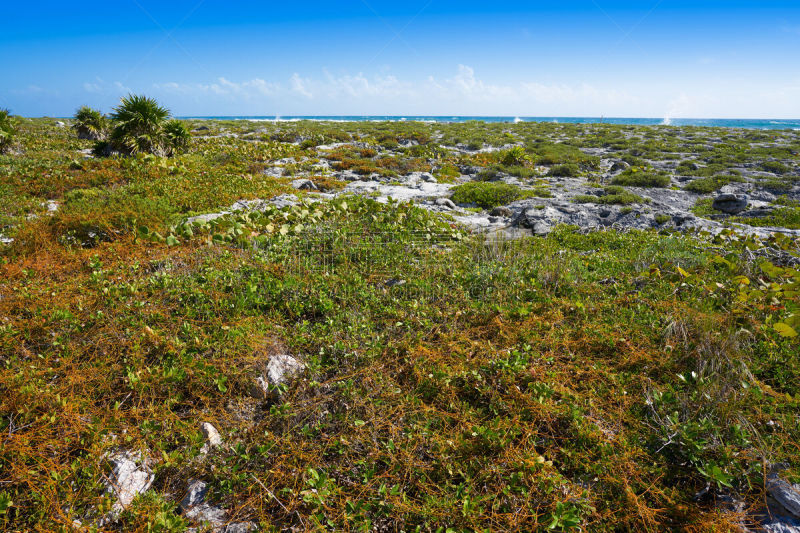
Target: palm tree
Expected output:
[8,129]
[139,126]
[177,136]
[90,124]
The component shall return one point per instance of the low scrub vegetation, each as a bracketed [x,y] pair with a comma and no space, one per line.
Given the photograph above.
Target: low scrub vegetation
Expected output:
[710,184]
[90,124]
[581,381]
[641,177]
[612,195]
[491,194]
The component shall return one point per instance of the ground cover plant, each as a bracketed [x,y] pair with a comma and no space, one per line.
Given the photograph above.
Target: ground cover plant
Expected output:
[488,194]
[584,380]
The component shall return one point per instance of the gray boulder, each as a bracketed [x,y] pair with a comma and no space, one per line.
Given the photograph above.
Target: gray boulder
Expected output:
[445,202]
[731,204]
[304,185]
[619,166]
[501,211]
[784,493]
[273,172]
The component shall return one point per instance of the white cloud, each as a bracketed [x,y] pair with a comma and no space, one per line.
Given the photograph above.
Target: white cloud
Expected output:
[464,89]
[99,86]
[299,85]
[464,92]
[91,88]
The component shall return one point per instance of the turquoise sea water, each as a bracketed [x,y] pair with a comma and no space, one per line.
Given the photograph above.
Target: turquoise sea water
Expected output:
[761,124]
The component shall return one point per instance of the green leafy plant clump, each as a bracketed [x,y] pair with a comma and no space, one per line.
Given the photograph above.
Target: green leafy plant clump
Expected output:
[567,170]
[90,124]
[710,184]
[488,194]
[611,195]
[141,125]
[8,130]
[637,177]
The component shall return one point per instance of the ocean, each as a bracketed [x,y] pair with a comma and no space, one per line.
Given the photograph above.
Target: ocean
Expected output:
[759,124]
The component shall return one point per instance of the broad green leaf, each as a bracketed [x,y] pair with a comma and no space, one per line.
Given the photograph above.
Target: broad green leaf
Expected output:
[785,330]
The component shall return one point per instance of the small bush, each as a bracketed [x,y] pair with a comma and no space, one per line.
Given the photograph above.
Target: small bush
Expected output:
[610,196]
[776,167]
[635,177]
[515,156]
[177,135]
[710,184]
[486,194]
[447,173]
[90,124]
[567,170]
[141,125]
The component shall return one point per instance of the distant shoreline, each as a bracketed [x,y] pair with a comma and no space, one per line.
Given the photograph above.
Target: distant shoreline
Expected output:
[740,123]
[765,124]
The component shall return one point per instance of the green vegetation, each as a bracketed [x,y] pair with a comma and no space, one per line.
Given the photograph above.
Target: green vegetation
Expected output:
[641,177]
[140,125]
[90,124]
[447,173]
[776,167]
[611,195]
[710,184]
[514,157]
[8,130]
[489,194]
[785,213]
[176,135]
[592,381]
[567,170]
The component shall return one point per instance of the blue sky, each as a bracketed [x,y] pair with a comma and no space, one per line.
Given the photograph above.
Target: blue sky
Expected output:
[718,59]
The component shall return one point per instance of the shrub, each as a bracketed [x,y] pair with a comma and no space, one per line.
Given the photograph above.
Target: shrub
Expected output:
[567,170]
[178,135]
[515,156]
[141,126]
[8,129]
[486,194]
[776,167]
[635,177]
[90,124]
[687,167]
[447,173]
[610,196]
[710,184]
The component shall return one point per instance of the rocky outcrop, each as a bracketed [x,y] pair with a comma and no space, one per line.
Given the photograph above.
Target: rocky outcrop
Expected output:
[304,185]
[731,204]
